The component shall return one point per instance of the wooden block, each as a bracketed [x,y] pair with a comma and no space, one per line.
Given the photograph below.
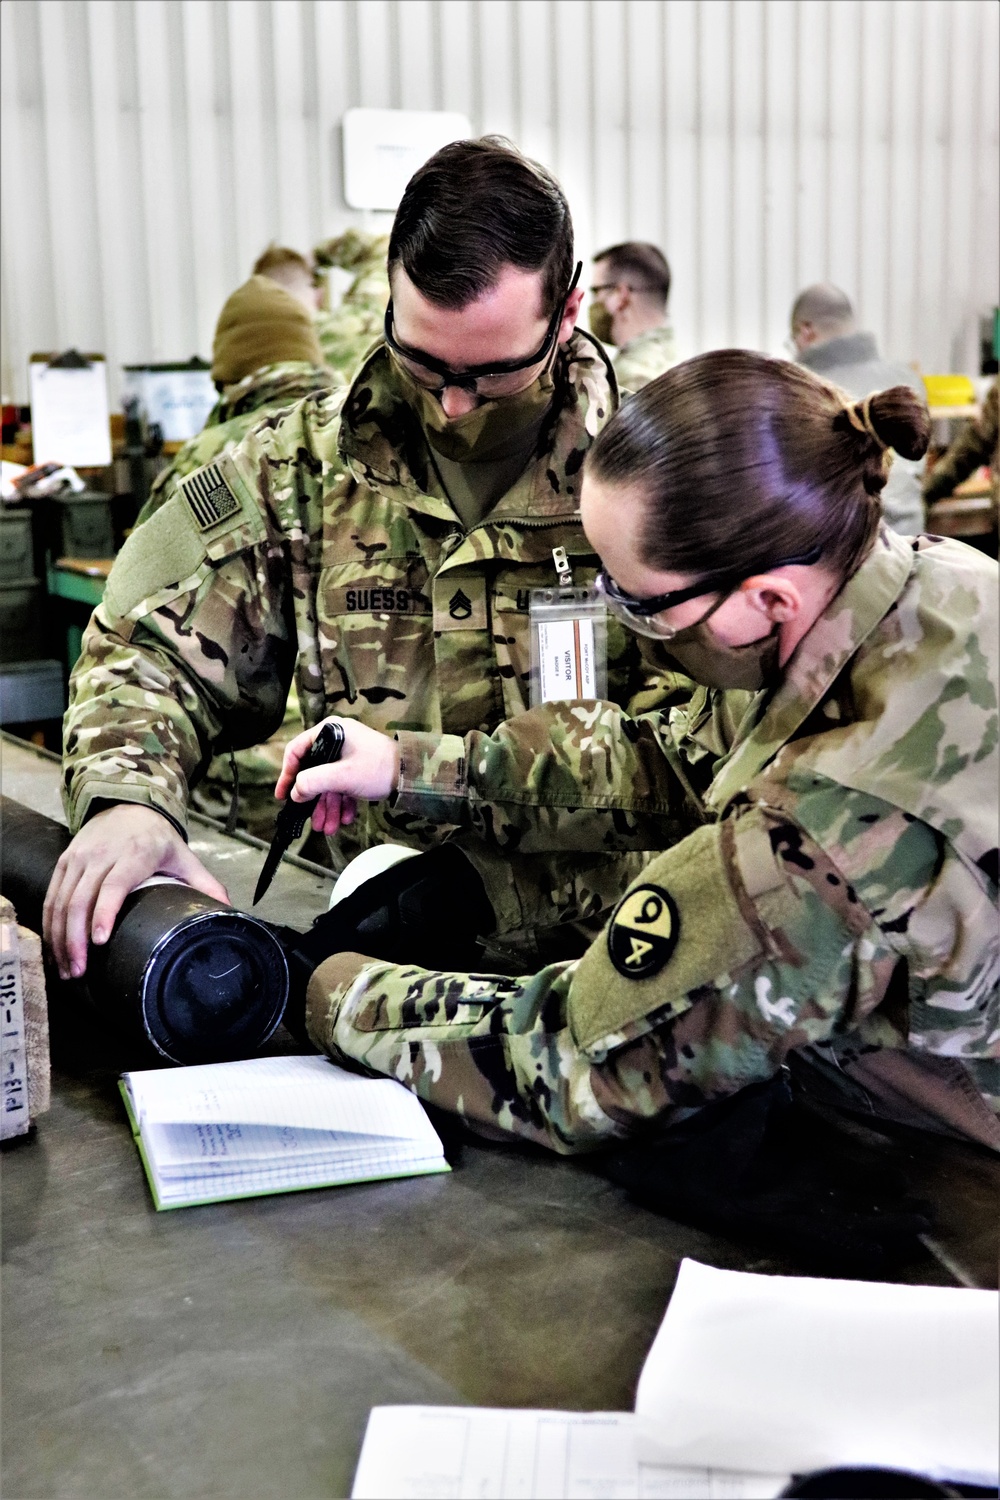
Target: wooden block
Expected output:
[25,1088]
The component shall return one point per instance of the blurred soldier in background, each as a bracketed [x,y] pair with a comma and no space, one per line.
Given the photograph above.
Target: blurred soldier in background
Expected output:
[265,358]
[976,444]
[629,310]
[826,339]
[293,271]
[348,331]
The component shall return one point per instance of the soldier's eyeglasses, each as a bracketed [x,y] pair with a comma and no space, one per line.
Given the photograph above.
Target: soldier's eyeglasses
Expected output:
[641,615]
[499,378]
[628,286]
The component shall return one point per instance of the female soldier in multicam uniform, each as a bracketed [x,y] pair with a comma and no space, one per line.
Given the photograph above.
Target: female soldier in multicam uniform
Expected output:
[838,888]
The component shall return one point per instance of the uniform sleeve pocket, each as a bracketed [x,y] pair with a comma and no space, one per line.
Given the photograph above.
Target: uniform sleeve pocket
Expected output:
[418,1000]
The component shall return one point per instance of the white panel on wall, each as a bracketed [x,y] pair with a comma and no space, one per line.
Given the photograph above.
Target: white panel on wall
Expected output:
[384,147]
[252,191]
[680,240]
[645,121]
[152,148]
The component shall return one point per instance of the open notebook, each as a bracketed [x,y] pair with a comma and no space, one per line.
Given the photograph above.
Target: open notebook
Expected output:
[272,1125]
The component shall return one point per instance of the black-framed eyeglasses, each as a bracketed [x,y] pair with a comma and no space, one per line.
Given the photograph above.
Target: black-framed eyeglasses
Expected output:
[639,614]
[499,378]
[612,286]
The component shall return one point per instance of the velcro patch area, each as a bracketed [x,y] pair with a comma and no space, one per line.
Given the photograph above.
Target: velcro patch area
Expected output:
[459,602]
[693,934]
[154,564]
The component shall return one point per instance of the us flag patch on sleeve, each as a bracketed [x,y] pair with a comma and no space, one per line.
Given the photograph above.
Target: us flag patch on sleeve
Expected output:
[209,497]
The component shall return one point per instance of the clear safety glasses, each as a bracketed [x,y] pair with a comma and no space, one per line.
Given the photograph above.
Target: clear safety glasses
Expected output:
[643,615]
[499,378]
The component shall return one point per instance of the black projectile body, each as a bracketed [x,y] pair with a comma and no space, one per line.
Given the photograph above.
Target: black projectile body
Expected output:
[199,980]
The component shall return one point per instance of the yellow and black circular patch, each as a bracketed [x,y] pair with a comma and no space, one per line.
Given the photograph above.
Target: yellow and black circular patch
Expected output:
[643,932]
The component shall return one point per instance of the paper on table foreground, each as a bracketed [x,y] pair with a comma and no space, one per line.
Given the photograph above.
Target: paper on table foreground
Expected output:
[418,1452]
[787,1373]
[750,1378]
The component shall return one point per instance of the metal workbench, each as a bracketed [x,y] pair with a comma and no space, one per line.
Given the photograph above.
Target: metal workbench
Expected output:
[235,1349]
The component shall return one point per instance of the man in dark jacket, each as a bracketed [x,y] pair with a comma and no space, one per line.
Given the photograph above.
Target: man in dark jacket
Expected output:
[827,340]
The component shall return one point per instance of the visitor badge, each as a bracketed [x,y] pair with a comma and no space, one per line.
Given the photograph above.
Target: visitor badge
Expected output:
[568,645]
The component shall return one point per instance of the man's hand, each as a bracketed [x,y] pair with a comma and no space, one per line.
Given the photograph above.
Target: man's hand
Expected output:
[115,851]
[368,767]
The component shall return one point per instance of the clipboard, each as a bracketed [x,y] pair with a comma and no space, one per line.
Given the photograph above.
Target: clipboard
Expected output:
[69,409]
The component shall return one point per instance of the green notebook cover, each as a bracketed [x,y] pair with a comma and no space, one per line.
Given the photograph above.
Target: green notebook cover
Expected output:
[227,1197]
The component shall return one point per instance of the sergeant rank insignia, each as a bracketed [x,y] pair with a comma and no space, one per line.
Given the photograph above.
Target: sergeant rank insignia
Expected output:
[209,496]
[643,932]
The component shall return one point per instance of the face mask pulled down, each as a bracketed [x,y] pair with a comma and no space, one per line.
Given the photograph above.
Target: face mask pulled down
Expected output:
[487,433]
[706,659]
[601,322]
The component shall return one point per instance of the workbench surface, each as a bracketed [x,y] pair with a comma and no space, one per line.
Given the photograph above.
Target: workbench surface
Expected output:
[235,1349]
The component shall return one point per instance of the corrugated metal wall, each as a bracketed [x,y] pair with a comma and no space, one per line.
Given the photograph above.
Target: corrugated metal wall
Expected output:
[151,148]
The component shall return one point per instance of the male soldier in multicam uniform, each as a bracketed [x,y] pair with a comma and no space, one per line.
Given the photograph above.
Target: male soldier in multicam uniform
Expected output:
[348,331]
[629,309]
[382,556]
[837,889]
[265,358]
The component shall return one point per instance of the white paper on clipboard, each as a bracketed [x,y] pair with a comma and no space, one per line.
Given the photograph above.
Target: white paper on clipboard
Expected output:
[69,414]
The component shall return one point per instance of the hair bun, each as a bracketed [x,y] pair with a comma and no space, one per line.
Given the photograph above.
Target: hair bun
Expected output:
[899,419]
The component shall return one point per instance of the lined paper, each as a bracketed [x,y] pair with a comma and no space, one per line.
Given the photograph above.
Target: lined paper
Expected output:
[272,1124]
[309,1091]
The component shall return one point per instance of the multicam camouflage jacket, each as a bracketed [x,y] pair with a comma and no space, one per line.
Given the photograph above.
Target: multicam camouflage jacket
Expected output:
[840,889]
[240,406]
[348,331]
[272,388]
[325,547]
[644,357]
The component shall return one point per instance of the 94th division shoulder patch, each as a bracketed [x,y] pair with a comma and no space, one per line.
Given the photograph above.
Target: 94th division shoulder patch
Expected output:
[643,933]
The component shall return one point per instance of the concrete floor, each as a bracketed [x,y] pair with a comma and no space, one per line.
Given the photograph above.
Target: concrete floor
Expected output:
[236,1349]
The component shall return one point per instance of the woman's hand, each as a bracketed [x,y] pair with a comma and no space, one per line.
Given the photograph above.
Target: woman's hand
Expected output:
[368,767]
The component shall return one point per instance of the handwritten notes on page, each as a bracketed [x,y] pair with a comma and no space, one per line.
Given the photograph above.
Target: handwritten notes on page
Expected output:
[271,1125]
